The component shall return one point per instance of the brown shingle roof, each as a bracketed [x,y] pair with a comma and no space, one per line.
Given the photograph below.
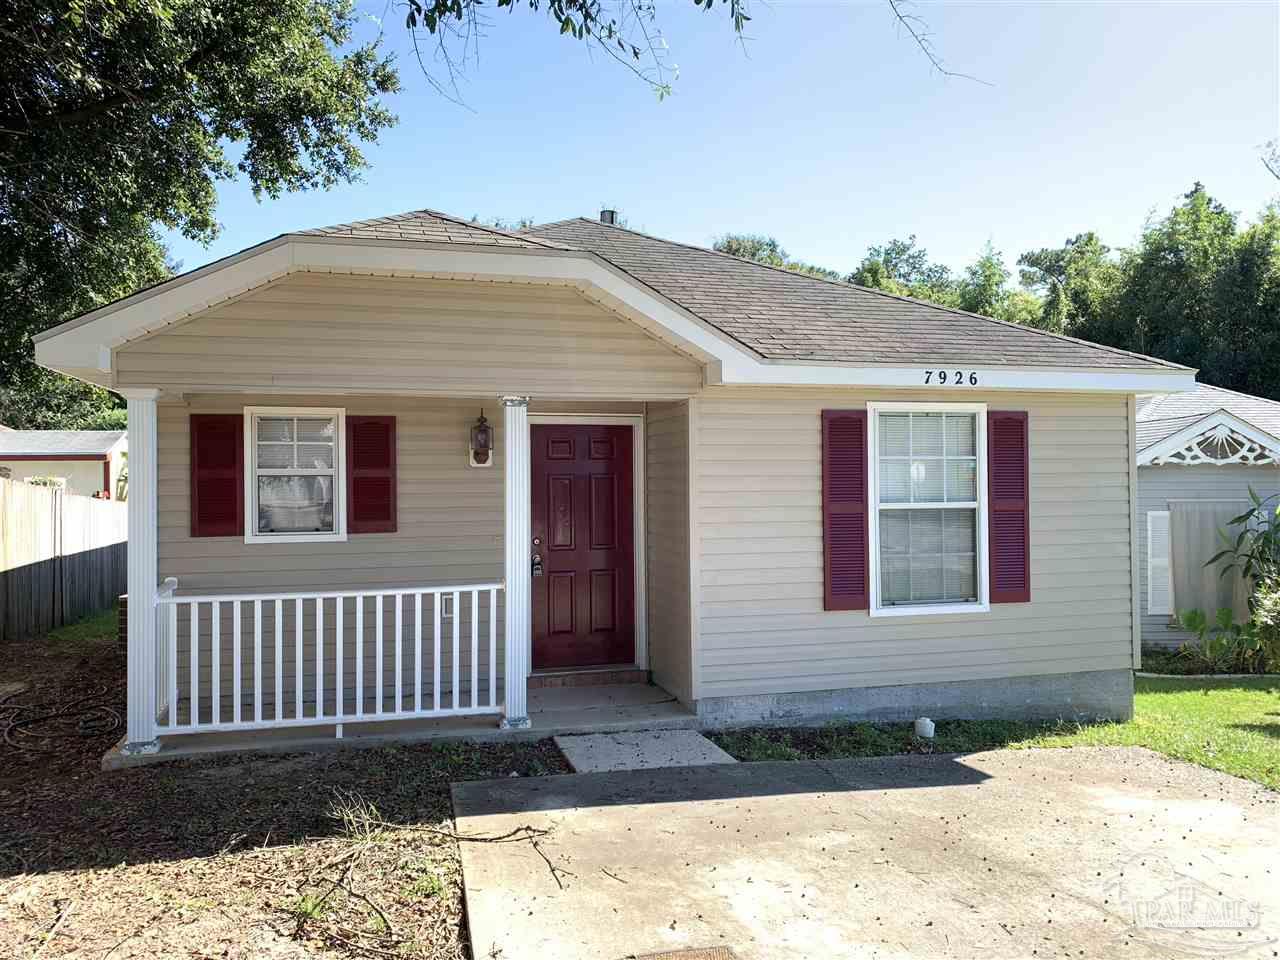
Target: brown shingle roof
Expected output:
[783,315]
[776,313]
[429,226]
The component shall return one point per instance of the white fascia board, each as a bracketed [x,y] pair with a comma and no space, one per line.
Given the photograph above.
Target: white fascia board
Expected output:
[85,344]
[1097,380]
[1176,441]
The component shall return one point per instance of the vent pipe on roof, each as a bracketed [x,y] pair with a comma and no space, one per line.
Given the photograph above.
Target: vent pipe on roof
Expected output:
[609,216]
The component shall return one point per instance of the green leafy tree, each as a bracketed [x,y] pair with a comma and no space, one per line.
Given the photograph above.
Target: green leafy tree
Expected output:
[48,401]
[117,116]
[767,250]
[1196,289]
[1078,281]
[1169,293]
[1020,306]
[903,267]
[982,289]
[1244,351]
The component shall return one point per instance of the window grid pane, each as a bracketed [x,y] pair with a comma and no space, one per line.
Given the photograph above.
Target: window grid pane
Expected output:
[928,554]
[928,458]
[294,469]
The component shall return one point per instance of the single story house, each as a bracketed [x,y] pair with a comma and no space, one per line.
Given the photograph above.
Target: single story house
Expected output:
[1199,453]
[84,462]
[405,468]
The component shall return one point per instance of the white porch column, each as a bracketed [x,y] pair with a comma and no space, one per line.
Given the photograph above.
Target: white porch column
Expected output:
[143,573]
[516,534]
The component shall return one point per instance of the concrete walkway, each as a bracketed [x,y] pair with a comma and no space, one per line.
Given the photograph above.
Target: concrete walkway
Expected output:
[1005,854]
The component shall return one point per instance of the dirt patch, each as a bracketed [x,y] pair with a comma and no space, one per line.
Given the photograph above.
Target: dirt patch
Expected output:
[341,854]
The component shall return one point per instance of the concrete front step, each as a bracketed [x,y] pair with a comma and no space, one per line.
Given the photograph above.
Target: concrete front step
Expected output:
[587,677]
[639,750]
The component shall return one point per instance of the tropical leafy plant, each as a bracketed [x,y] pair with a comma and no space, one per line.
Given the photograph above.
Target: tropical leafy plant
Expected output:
[1254,552]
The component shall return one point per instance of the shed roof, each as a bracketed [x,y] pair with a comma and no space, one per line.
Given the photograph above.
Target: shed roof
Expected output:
[61,443]
[1163,416]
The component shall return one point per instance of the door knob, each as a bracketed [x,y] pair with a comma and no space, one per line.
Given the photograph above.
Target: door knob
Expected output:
[536,565]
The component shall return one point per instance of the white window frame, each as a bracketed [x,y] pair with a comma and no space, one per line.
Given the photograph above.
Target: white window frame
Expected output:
[251,534]
[983,603]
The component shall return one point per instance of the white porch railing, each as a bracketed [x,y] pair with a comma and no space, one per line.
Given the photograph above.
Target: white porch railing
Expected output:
[264,660]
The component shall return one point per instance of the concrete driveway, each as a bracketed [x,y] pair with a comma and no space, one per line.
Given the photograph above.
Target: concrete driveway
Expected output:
[1081,852]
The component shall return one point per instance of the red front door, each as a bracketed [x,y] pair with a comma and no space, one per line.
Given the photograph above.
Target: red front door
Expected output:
[583,529]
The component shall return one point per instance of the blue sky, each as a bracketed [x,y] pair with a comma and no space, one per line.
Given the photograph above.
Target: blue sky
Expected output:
[830,131]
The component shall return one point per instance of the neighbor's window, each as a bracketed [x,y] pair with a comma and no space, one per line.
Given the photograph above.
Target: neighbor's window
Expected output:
[928,553]
[295,478]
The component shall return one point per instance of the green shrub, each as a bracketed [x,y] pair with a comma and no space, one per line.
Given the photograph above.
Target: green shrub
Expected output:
[1224,646]
[1266,620]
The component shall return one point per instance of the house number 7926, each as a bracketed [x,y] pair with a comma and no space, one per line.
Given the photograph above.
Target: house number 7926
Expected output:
[957,378]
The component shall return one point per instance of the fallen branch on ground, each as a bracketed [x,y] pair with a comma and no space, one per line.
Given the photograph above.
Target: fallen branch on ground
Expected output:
[555,871]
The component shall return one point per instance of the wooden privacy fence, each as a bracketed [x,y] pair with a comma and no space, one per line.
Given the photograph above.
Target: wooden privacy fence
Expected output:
[61,557]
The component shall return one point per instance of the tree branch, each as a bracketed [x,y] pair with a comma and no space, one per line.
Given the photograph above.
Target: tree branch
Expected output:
[94,109]
[917,28]
[1271,158]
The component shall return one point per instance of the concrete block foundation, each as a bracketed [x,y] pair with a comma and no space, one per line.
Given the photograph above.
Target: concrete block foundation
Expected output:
[1094,695]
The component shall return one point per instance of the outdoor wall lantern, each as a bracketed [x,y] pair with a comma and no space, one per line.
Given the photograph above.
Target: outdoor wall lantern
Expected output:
[482,443]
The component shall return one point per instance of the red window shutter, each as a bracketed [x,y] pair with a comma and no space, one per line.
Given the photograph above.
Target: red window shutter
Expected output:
[217,474]
[371,474]
[1009,506]
[844,509]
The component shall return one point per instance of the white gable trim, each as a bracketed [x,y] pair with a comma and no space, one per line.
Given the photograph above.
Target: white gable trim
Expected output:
[1253,447]
[83,347]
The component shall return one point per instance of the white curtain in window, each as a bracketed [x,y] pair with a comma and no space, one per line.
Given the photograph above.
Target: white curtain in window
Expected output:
[295,474]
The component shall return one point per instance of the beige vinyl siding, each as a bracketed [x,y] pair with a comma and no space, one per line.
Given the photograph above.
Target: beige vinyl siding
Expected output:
[762,628]
[667,547]
[449,531]
[1159,485]
[387,334]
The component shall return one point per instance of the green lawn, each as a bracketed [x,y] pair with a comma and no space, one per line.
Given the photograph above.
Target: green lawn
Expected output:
[1231,725]
[100,628]
[1226,724]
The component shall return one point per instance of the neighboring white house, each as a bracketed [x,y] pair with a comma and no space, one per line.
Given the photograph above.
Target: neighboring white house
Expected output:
[84,462]
[782,498]
[1198,455]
